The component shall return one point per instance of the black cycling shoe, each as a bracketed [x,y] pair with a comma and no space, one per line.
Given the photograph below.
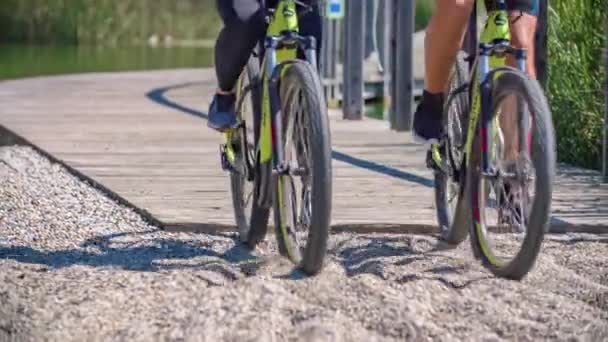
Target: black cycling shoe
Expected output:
[428,122]
[222,113]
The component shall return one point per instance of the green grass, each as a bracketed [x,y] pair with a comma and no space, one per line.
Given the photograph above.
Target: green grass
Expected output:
[576,76]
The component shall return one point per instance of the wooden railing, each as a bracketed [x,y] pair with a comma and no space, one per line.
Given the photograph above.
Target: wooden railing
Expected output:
[344,43]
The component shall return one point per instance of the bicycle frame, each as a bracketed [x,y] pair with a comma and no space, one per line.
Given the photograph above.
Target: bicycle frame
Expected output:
[490,57]
[492,49]
[280,49]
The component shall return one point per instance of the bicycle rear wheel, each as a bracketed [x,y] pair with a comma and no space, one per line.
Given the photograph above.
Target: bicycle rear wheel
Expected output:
[517,195]
[452,214]
[303,195]
[251,219]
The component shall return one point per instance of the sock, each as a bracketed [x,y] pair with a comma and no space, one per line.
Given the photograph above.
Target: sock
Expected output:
[225,102]
[434,101]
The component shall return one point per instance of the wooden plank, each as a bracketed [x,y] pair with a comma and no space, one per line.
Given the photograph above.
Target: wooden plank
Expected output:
[166,162]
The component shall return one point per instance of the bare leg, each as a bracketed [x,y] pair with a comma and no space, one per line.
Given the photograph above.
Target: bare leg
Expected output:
[523,29]
[443,40]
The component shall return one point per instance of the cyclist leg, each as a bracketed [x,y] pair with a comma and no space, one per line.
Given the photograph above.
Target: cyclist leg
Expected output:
[244,24]
[523,31]
[443,39]
[311,24]
[523,21]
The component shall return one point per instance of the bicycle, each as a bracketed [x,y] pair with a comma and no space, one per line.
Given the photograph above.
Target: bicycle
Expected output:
[472,165]
[291,139]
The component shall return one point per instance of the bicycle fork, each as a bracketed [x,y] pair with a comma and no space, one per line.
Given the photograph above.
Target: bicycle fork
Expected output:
[271,155]
[486,77]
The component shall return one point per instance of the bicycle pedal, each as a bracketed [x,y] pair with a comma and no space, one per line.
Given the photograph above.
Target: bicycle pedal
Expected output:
[430,162]
[226,165]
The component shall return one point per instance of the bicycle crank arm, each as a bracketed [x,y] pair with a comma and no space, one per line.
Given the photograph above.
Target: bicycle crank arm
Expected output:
[286,169]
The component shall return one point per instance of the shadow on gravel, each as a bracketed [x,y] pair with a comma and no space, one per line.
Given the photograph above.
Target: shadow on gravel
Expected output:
[380,253]
[140,251]
[572,239]
[456,285]
[411,248]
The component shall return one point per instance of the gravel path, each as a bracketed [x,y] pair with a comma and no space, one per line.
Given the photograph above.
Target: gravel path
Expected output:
[76,266]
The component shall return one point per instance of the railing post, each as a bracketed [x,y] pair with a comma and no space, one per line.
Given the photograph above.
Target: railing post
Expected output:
[352,94]
[388,59]
[541,43]
[605,153]
[404,79]
[329,57]
[393,62]
[333,13]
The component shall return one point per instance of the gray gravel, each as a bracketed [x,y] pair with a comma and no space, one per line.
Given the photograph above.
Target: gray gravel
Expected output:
[75,266]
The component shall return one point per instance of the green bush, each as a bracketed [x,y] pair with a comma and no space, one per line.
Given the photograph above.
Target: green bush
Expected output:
[120,21]
[424,10]
[576,78]
[105,21]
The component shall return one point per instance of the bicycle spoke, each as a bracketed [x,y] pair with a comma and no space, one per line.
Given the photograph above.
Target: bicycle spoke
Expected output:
[507,195]
[304,162]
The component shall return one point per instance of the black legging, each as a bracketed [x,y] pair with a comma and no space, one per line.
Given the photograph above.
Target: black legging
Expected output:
[528,6]
[244,26]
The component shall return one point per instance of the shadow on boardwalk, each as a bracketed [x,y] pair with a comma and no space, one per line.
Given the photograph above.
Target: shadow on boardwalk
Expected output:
[580,196]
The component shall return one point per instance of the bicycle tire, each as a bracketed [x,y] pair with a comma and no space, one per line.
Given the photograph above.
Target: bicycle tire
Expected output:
[512,81]
[453,223]
[301,76]
[252,228]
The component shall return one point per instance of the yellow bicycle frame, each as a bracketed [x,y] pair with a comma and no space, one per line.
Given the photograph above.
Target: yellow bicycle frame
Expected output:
[283,23]
[496,28]
[283,19]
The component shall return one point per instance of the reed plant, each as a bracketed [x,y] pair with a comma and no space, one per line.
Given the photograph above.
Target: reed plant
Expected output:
[576,77]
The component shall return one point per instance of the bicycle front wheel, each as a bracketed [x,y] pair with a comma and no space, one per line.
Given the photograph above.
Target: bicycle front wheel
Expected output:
[303,193]
[511,202]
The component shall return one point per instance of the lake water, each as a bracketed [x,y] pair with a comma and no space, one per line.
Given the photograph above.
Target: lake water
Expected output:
[17,61]
[26,60]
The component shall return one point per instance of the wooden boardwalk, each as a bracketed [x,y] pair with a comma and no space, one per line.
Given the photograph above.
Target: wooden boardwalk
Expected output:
[143,136]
